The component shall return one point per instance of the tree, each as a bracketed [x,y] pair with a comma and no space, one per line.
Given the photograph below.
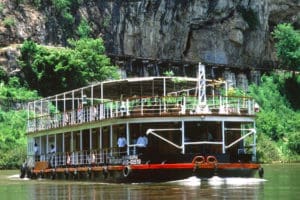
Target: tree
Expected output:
[83,30]
[52,70]
[288,46]
[13,122]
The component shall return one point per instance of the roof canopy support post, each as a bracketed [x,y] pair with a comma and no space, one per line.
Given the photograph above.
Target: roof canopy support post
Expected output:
[127,137]
[254,144]
[182,137]
[223,137]
[164,99]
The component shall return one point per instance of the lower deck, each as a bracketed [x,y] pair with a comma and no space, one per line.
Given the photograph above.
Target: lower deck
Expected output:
[175,148]
[170,139]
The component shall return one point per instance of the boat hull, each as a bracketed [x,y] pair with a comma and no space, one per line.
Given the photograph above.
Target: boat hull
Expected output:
[148,172]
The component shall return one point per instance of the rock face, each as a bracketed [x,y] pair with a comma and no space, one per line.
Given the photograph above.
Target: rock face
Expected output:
[232,32]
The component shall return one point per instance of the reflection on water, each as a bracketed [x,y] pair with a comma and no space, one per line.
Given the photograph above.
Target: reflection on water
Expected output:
[11,187]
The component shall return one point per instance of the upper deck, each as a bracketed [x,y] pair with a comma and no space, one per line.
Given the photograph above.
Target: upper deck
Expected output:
[135,98]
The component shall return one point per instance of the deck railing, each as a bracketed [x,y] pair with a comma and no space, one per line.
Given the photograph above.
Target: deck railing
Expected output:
[82,158]
[144,106]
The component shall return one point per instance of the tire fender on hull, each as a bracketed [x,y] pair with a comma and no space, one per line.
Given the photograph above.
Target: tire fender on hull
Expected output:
[126,171]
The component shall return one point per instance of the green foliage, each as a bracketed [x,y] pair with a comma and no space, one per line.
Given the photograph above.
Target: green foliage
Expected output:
[3,75]
[267,151]
[12,158]
[290,89]
[68,17]
[287,46]
[84,60]
[13,123]
[84,30]
[169,73]
[37,3]
[9,22]
[1,8]
[294,141]
[106,21]
[276,120]
[62,4]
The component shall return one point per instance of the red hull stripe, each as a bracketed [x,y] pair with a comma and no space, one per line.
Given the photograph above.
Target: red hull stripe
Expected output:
[156,167]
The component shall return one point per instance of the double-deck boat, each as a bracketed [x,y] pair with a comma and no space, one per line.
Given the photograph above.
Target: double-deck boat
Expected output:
[190,127]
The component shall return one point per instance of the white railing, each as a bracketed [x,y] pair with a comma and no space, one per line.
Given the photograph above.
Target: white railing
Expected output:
[144,106]
[82,158]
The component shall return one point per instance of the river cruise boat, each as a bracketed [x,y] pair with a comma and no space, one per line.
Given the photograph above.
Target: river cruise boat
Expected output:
[146,129]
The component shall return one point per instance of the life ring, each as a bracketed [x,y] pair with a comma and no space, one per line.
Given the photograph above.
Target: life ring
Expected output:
[126,171]
[211,159]
[198,160]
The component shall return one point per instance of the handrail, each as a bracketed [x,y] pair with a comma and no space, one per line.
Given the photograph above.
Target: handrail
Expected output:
[252,131]
[80,158]
[150,131]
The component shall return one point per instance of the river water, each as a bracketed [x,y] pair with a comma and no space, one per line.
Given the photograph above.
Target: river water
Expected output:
[280,182]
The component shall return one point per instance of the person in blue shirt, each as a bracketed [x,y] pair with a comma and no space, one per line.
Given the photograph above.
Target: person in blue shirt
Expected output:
[122,143]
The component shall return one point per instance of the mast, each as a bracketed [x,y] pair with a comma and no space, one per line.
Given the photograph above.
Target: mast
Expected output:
[202,104]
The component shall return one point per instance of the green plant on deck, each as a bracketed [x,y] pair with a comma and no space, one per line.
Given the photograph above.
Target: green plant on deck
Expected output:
[169,73]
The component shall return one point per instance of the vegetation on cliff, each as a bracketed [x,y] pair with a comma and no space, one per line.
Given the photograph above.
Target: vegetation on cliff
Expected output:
[67,68]
[278,125]
[13,115]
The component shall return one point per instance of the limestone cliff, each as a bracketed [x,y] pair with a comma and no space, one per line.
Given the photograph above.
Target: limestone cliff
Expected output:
[224,32]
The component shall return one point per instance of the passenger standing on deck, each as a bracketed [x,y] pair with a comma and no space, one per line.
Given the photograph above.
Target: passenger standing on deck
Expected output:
[122,142]
[52,155]
[141,144]
[80,113]
[36,152]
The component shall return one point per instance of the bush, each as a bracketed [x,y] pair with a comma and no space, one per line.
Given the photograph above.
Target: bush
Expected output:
[294,142]
[267,150]
[13,158]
